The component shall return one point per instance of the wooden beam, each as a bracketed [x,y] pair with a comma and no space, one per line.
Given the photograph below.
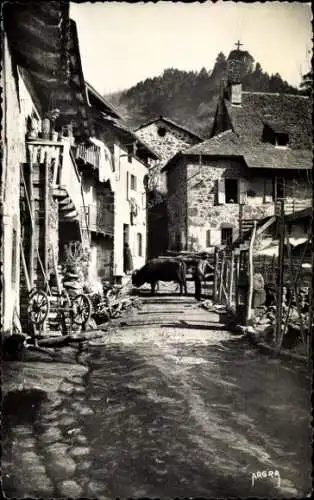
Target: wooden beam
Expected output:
[280,275]
[263,228]
[32,217]
[46,195]
[251,275]
[231,279]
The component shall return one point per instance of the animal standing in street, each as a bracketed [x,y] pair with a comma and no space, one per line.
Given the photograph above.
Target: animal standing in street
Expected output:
[161,270]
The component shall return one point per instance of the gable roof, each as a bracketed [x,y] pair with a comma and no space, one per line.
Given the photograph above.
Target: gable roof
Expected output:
[243,139]
[128,136]
[293,112]
[171,123]
[259,155]
[94,97]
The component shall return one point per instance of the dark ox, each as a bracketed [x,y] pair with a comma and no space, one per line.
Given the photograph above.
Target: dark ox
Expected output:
[161,270]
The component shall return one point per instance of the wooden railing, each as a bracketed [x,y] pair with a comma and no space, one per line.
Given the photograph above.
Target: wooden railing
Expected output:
[89,154]
[292,206]
[97,220]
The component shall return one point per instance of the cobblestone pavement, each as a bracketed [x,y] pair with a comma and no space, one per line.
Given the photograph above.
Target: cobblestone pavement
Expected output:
[167,405]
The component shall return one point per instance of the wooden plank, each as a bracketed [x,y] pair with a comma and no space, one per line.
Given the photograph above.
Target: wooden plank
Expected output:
[278,329]
[231,279]
[251,275]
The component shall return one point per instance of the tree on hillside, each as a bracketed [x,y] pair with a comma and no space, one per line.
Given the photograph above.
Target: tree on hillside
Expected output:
[306,84]
[220,65]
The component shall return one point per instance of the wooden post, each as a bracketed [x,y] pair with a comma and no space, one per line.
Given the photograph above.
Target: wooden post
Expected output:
[215,274]
[251,273]
[32,218]
[311,307]
[280,276]
[28,284]
[221,276]
[230,298]
[237,274]
[46,218]
[241,222]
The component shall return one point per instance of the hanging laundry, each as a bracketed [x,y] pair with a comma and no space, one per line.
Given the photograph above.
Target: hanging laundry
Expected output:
[105,161]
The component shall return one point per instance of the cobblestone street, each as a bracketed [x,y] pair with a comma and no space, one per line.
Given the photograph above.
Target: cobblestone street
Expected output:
[168,405]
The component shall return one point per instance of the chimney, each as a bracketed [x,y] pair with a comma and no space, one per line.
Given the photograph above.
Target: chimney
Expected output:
[235,94]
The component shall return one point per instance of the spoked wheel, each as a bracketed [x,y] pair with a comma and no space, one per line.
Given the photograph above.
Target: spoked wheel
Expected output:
[81,309]
[38,307]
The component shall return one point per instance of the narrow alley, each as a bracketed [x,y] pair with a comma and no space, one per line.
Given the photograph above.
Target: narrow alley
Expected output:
[168,405]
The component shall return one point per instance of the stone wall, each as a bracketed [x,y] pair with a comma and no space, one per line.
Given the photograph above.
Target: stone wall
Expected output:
[13,131]
[204,213]
[177,206]
[165,146]
[199,205]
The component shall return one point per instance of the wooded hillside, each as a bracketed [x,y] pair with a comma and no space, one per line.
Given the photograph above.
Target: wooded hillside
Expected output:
[190,97]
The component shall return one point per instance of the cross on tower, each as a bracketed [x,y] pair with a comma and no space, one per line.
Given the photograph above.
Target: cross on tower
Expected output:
[238,44]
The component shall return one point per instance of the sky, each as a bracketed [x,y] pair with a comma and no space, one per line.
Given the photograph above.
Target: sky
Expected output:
[122,44]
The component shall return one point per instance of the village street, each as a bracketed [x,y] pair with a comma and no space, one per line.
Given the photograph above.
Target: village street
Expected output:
[168,405]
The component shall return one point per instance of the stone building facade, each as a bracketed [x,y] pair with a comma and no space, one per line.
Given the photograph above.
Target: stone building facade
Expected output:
[166,137]
[17,106]
[200,216]
[260,152]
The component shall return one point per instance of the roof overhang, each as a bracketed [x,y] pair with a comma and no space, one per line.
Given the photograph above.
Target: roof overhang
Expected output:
[44,45]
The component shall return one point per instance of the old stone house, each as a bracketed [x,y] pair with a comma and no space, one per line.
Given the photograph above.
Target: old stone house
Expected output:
[166,137]
[45,109]
[260,151]
[114,165]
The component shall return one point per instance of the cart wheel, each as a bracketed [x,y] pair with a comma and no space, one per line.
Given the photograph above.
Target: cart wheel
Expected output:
[38,307]
[81,309]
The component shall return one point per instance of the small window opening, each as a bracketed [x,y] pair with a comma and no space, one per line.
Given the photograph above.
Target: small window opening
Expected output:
[231,190]
[282,140]
[226,236]
[140,244]
[161,131]
[133,182]
[208,238]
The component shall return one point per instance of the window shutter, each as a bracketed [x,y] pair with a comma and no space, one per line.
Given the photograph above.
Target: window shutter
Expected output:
[243,191]
[221,194]
[208,242]
[127,185]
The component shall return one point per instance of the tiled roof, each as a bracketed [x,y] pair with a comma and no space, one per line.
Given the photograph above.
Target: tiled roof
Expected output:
[293,112]
[172,124]
[258,155]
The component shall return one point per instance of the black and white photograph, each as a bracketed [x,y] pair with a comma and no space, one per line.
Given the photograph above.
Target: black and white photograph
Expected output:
[156,257]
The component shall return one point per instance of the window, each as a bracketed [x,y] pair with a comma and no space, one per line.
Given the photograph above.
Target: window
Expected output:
[208,238]
[268,190]
[227,191]
[133,182]
[139,244]
[282,140]
[231,190]
[161,131]
[279,188]
[226,235]
[130,153]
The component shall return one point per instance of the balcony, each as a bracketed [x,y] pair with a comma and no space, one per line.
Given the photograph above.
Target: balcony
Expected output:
[87,155]
[63,174]
[98,220]
[292,206]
